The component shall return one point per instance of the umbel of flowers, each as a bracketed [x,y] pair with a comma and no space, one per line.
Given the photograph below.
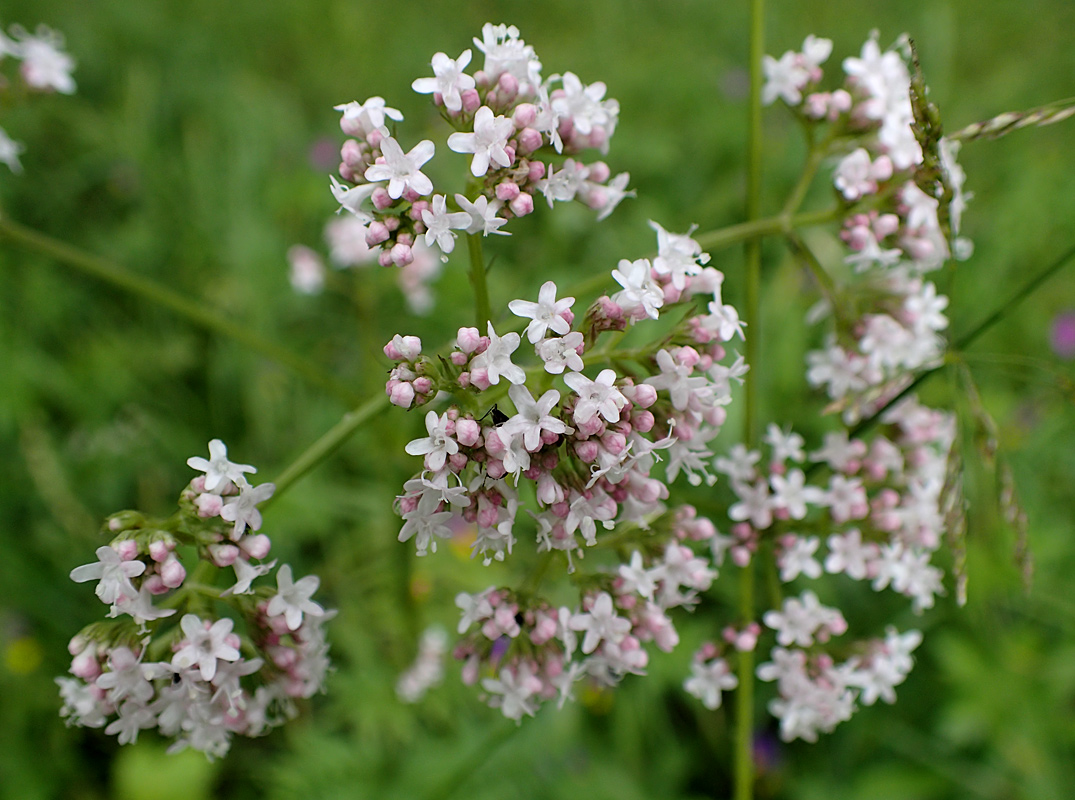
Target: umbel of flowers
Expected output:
[196,660]
[569,428]
[523,134]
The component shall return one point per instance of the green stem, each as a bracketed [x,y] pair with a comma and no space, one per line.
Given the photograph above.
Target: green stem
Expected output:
[193,311]
[477,281]
[328,444]
[821,275]
[757,228]
[744,717]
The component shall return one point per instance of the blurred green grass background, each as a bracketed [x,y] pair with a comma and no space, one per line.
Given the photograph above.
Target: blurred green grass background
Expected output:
[187,157]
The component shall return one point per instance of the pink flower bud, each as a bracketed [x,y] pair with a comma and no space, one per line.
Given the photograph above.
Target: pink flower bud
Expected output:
[85,665]
[223,555]
[472,101]
[537,171]
[376,232]
[467,432]
[468,340]
[159,549]
[423,385]
[522,205]
[154,584]
[507,191]
[642,421]
[529,140]
[351,154]
[400,393]
[257,546]
[374,139]
[127,549]
[402,255]
[587,450]
[599,172]
[508,85]
[172,573]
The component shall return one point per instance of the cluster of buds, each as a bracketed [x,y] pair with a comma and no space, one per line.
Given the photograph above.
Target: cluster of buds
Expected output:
[43,67]
[903,192]
[516,126]
[531,652]
[200,681]
[589,451]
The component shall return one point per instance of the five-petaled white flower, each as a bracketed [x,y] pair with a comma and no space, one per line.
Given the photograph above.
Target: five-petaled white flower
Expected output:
[561,353]
[205,645]
[450,80]
[218,470]
[243,510]
[402,171]
[533,416]
[600,623]
[437,446]
[293,598]
[598,396]
[369,115]
[496,360]
[640,291]
[547,312]
[113,573]
[487,142]
[440,221]
[482,215]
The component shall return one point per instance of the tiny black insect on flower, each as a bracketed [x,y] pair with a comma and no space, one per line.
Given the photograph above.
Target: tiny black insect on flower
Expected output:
[499,417]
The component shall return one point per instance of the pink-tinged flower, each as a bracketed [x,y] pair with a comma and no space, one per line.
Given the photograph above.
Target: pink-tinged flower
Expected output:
[352,198]
[496,360]
[561,353]
[584,105]
[243,510]
[1063,334]
[708,680]
[439,223]
[205,645]
[482,215]
[292,599]
[45,65]
[437,446]
[512,691]
[487,142]
[402,171]
[601,623]
[307,274]
[534,417]
[449,80]
[640,291]
[113,573]
[360,119]
[598,396]
[547,312]
[218,470]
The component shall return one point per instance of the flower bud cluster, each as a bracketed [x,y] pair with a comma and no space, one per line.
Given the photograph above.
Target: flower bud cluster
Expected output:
[508,119]
[888,321]
[216,681]
[531,652]
[588,448]
[44,67]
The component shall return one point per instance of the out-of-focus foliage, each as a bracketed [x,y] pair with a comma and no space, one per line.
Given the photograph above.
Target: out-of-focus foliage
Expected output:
[196,151]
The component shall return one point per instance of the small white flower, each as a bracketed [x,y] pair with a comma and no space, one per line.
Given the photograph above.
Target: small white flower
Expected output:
[243,510]
[113,573]
[293,598]
[496,360]
[640,291]
[547,312]
[487,142]
[449,80]
[482,215]
[204,645]
[402,171]
[439,223]
[708,680]
[561,353]
[369,115]
[218,470]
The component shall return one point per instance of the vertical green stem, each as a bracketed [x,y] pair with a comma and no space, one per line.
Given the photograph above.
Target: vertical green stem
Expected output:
[744,718]
[477,281]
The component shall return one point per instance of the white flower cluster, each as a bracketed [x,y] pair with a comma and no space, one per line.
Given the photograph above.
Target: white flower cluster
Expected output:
[902,233]
[44,67]
[537,652]
[197,696]
[589,449]
[508,119]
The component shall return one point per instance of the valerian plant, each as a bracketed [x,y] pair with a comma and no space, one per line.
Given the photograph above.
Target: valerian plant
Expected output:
[559,430]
